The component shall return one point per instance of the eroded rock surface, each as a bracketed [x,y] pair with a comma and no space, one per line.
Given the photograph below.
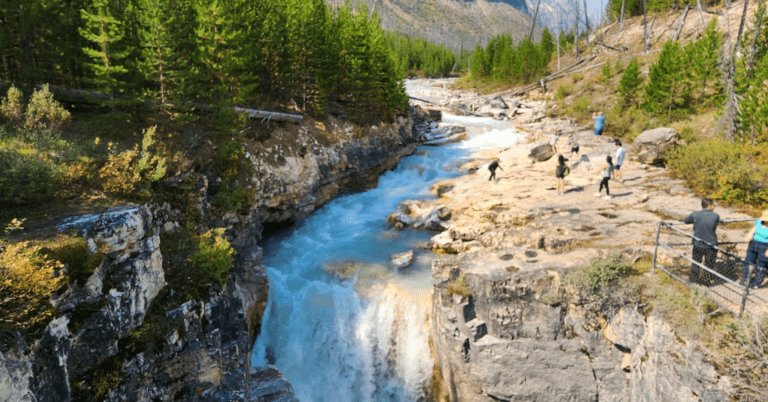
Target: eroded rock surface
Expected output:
[511,336]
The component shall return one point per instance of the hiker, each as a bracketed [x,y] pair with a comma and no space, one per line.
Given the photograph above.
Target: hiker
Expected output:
[561,171]
[574,146]
[607,170]
[620,153]
[553,140]
[704,226]
[492,167]
[599,122]
[758,246]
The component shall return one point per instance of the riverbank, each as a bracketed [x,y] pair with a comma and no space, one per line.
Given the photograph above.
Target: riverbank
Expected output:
[511,242]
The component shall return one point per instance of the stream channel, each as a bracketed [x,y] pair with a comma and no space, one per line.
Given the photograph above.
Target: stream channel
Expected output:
[366,338]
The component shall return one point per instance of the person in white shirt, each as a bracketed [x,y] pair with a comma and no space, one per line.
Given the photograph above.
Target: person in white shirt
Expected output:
[553,140]
[620,153]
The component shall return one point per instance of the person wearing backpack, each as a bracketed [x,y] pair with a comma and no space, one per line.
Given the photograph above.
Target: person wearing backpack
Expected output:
[561,171]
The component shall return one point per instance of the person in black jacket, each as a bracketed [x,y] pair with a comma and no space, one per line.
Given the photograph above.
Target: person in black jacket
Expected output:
[492,167]
[560,172]
[705,239]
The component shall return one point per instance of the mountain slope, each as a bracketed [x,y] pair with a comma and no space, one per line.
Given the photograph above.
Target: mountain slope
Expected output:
[446,22]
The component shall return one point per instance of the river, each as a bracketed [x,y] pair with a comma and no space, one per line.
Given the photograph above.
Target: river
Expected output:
[364,339]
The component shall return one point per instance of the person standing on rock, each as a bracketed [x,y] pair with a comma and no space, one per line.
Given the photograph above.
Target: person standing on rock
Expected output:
[705,239]
[620,153]
[758,246]
[574,147]
[492,167]
[561,171]
[607,170]
[599,122]
[553,140]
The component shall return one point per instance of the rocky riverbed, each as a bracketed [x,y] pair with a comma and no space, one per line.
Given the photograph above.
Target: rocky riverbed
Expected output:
[514,239]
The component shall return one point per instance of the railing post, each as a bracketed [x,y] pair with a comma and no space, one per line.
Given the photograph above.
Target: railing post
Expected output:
[746,289]
[656,249]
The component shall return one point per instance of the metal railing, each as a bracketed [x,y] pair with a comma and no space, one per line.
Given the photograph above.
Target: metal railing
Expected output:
[721,270]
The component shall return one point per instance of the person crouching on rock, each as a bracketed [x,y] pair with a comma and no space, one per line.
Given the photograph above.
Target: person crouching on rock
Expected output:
[574,147]
[607,170]
[492,167]
[561,171]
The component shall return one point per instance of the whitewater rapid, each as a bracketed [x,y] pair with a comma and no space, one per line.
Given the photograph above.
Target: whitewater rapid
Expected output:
[364,339]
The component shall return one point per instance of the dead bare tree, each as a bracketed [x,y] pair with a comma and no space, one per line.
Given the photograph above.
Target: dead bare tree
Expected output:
[682,22]
[623,5]
[576,32]
[586,21]
[558,44]
[533,23]
[701,13]
[732,109]
[645,27]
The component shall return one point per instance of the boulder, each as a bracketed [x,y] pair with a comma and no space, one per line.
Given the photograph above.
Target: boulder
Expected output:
[541,153]
[497,103]
[401,260]
[652,145]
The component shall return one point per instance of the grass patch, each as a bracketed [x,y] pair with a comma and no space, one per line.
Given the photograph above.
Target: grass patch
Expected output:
[460,286]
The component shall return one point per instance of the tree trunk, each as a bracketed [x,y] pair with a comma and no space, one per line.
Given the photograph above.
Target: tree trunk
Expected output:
[533,24]
[751,62]
[623,4]
[586,21]
[558,50]
[681,23]
[701,13]
[741,27]
[576,32]
[645,27]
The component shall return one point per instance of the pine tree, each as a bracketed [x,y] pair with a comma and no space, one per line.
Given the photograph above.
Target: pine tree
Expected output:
[667,85]
[630,84]
[478,59]
[105,32]
[705,58]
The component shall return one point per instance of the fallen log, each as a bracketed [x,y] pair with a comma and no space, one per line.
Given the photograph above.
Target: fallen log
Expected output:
[609,47]
[267,115]
[79,96]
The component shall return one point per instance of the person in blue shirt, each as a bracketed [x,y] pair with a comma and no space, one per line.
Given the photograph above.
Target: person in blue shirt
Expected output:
[599,122]
[758,245]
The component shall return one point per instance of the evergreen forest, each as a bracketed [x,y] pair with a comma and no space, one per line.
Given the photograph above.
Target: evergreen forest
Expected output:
[282,54]
[503,60]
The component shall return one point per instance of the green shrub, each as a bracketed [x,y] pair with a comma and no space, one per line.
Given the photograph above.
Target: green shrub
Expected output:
[728,171]
[132,171]
[26,178]
[229,157]
[618,67]
[593,280]
[27,280]
[12,107]
[460,286]
[577,77]
[627,122]
[563,91]
[605,72]
[44,113]
[213,255]
[687,134]
[580,108]
[71,250]
[230,196]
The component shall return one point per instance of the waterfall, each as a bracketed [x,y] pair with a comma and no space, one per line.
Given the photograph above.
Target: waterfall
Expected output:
[363,335]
